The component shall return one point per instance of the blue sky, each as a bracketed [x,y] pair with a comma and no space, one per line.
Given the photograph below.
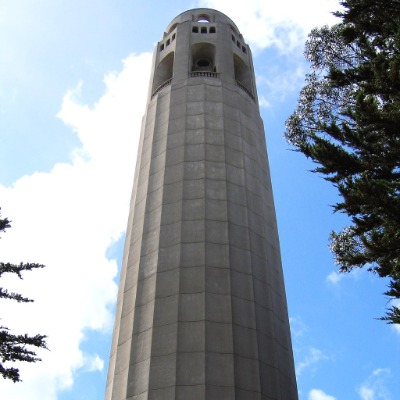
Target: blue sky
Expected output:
[73,84]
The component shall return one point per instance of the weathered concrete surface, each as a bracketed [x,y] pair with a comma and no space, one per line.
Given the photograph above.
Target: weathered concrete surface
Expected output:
[202,309]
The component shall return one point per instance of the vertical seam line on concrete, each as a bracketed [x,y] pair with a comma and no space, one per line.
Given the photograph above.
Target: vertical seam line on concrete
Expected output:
[229,249]
[204,238]
[129,253]
[268,270]
[123,272]
[153,129]
[160,99]
[251,255]
[180,245]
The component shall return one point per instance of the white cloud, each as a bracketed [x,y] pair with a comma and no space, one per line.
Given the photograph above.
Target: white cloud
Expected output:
[307,358]
[373,388]
[366,393]
[313,357]
[276,83]
[334,277]
[396,327]
[317,394]
[357,274]
[66,219]
[283,24]
[94,363]
[297,327]
[263,102]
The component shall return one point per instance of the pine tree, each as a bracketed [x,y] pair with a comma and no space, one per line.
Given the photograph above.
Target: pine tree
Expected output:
[348,122]
[14,347]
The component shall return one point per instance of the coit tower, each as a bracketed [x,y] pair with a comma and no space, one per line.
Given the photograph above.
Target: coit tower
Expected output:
[201,312]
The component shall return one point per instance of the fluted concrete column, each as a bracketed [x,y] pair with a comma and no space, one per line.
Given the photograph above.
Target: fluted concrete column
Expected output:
[201,310]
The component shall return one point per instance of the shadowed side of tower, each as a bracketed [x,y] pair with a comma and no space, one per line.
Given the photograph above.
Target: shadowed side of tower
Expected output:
[201,310]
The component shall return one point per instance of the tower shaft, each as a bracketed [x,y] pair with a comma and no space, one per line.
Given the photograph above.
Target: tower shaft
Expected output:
[201,310]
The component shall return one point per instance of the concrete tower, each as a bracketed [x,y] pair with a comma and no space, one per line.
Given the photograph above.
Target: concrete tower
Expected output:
[201,311]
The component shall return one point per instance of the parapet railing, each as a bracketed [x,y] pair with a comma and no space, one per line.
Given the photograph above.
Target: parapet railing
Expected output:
[244,88]
[161,87]
[207,74]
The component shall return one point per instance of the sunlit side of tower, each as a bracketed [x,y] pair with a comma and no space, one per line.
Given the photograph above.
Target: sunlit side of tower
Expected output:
[201,310]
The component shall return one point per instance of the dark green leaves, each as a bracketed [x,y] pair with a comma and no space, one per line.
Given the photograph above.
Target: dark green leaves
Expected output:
[348,122]
[13,347]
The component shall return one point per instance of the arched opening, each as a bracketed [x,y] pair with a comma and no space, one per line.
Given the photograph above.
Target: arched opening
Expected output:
[203,57]
[164,71]
[172,28]
[242,73]
[203,18]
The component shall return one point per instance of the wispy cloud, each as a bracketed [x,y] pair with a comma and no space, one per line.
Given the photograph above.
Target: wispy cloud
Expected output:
[263,102]
[94,363]
[358,273]
[373,388]
[66,219]
[276,84]
[396,327]
[312,358]
[334,277]
[282,24]
[317,394]
[307,358]
[297,327]
[281,27]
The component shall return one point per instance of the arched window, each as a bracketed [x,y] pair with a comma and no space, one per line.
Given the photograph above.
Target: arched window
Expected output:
[233,29]
[164,71]
[172,28]
[203,18]
[242,73]
[203,57]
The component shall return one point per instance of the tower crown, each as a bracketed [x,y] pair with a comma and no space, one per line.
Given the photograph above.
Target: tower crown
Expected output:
[202,15]
[203,43]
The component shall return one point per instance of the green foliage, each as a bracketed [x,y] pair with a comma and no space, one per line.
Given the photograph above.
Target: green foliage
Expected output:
[348,122]
[13,347]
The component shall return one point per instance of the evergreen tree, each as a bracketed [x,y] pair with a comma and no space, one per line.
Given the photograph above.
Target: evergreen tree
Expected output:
[14,347]
[348,122]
